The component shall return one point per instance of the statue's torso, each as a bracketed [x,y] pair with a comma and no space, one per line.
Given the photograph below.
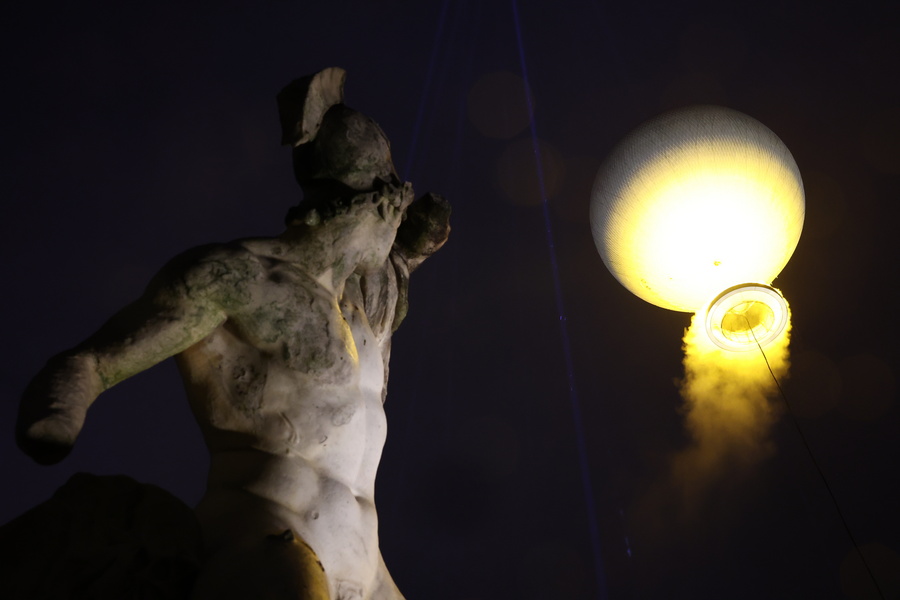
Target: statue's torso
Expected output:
[288,393]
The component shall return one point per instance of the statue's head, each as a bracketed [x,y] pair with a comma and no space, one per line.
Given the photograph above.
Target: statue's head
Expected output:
[337,150]
[349,148]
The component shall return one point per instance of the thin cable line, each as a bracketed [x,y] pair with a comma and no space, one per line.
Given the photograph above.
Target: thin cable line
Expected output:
[816,464]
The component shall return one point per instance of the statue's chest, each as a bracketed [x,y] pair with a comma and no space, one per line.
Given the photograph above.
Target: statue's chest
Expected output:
[301,327]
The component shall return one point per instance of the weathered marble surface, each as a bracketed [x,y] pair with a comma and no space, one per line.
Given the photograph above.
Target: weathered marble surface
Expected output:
[283,344]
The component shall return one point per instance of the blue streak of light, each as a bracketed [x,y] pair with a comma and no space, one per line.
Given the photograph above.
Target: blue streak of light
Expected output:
[429,75]
[563,329]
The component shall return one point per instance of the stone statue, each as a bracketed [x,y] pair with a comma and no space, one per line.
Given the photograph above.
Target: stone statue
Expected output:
[283,346]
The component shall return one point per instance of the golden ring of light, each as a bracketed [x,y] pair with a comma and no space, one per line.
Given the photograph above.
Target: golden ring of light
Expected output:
[746,315]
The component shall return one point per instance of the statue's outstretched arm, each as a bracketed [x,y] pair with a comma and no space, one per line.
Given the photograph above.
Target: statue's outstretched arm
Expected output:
[180,307]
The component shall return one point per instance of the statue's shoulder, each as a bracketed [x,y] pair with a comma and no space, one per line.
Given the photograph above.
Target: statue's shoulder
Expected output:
[212,271]
[233,258]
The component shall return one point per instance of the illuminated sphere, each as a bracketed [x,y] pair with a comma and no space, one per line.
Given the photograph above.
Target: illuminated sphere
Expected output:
[694,202]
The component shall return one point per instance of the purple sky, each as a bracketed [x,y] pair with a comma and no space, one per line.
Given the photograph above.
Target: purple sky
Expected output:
[134,132]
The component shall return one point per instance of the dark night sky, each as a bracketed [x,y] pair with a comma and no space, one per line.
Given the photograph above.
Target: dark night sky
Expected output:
[134,132]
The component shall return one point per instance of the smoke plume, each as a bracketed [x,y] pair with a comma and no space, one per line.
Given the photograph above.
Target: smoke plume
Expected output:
[728,411]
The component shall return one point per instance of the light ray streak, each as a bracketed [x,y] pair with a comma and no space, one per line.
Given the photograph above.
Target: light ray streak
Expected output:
[587,486]
[426,87]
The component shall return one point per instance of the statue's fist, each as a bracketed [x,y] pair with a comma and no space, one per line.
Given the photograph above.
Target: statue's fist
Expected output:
[53,408]
[425,229]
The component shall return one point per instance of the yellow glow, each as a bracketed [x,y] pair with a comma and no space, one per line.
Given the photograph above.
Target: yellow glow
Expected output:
[694,202]
[746,316]
[728,414]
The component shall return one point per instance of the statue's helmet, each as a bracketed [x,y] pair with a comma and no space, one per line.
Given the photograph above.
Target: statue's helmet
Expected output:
[332,142]
[349,148]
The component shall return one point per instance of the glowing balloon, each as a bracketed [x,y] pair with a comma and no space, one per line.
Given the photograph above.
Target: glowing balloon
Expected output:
[700,209]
